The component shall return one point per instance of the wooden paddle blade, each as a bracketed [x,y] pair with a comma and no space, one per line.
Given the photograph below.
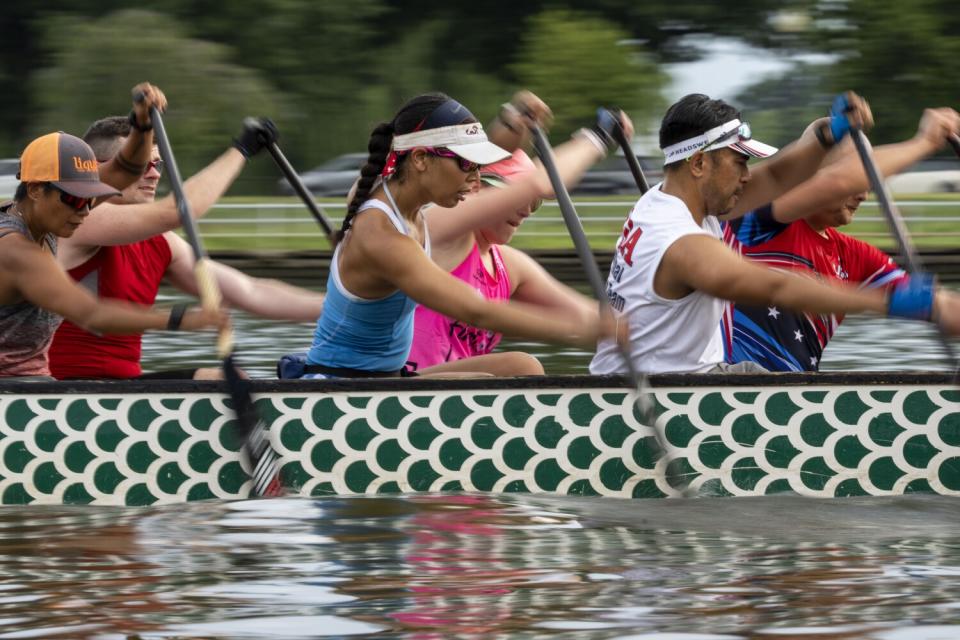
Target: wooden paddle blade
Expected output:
[253,434]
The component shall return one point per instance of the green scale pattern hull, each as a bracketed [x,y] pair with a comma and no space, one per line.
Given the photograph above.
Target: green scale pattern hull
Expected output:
[133,443]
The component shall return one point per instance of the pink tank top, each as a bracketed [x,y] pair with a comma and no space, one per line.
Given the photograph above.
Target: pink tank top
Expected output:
[438,338]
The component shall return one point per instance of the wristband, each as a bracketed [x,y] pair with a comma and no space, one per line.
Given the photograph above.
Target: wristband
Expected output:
[839,123]
[822,137]
[913,299]
[593,138]
[129,167]
[136,125]
[176,316]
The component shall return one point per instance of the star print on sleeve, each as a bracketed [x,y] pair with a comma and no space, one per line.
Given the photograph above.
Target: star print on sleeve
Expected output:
[813,361]
[797,335]
[773,312]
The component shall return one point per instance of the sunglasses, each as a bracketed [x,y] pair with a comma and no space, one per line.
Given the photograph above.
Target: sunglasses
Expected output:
[74,202]
[465,165]
[743,132]
[153,164]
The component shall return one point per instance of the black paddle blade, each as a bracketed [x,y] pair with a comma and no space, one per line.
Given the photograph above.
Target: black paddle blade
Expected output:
[253,434]
[955,143]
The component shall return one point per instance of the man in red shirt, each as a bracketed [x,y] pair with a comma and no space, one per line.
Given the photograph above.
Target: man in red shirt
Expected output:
[127,247]
[783,340]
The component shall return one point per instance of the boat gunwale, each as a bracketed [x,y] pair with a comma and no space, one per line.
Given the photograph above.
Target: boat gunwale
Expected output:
[534,383]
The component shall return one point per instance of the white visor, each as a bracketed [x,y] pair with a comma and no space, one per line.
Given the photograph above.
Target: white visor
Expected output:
[466,140]
[733,134]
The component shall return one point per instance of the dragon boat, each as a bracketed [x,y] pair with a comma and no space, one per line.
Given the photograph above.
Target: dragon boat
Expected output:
[161,442]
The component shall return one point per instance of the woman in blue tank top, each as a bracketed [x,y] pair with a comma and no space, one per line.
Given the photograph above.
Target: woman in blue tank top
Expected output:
[430,152]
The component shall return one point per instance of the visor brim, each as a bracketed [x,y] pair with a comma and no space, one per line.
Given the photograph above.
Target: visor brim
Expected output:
[86,188]
[753,148]
[482,153]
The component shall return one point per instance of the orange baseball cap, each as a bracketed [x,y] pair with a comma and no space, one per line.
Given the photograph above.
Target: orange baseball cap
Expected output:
[65,161]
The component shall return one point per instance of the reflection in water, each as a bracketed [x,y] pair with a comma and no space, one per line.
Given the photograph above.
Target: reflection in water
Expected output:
[861,343]
[479,566]
[475,566]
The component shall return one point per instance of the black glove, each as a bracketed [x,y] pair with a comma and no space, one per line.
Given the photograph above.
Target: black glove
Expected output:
[257,133]
[608,121]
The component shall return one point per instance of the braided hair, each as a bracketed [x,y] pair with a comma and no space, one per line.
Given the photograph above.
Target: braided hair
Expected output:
[410,116]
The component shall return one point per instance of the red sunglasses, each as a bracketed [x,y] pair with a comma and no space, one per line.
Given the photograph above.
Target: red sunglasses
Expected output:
[74,202]
[465,165]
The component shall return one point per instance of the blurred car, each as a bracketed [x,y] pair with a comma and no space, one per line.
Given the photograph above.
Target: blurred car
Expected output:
[936,175]
[333,178]
[612,175]
[8,177]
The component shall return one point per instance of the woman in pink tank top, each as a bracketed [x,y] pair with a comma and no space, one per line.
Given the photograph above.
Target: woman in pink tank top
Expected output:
[470,242]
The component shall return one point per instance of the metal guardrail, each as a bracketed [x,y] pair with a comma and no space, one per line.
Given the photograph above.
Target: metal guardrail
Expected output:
[271,223]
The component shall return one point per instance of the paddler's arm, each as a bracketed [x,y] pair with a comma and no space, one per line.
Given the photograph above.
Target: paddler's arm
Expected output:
[265,298]
[492,206]
[845,176]
[533,285]
[796,162]
[401,263]
[131,160]
[35,275]
[703,263]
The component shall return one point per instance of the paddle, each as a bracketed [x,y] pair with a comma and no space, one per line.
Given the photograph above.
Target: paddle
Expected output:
[301,190]
[894,219]
[575,228]
[250,427]
[955,143]
[621,137]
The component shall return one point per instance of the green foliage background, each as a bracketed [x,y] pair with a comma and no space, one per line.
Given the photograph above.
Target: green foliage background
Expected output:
[328,71]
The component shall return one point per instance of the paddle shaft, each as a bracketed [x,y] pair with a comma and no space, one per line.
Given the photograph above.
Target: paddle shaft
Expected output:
[955,143]
[206,284]
[252,430]
[294,179]
[894,219]
[890,211]
[575,228]
[621,137]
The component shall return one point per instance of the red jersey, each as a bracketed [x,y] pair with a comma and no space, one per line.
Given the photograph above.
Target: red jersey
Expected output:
[782,340]
[130,272]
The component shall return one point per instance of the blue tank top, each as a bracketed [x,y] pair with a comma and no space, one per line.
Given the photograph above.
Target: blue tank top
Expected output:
[357,333]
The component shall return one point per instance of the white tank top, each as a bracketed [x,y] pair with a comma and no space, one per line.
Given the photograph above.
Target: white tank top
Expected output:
[666,336]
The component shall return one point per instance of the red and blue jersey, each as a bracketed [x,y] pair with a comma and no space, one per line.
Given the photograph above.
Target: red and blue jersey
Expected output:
[782,340]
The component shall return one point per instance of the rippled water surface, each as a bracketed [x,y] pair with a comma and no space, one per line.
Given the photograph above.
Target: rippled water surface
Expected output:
[479,566]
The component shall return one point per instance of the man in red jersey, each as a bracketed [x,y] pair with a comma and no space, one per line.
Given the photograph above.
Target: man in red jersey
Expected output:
[797,233]
[128,247]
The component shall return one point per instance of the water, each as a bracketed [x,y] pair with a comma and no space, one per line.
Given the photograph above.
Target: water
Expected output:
[862,343]
[478,566]
[482,566]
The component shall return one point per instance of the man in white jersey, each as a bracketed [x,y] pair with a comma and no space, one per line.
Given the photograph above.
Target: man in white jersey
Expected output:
[671,272]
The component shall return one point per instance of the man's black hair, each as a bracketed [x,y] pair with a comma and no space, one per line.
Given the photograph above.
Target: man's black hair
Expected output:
[691,116]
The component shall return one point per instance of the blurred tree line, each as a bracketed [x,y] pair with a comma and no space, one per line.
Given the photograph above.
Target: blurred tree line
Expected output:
[328,71]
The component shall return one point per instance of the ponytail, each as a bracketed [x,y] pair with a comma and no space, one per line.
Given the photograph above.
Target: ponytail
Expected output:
[378,148]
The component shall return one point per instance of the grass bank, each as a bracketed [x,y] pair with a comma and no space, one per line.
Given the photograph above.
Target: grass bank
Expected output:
[278,224]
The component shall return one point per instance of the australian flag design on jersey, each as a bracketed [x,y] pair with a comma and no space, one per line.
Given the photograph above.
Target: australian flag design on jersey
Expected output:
[782,340]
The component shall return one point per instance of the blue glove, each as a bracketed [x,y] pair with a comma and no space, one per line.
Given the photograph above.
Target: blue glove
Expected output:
[607,122]
[839,123]
[913,299]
